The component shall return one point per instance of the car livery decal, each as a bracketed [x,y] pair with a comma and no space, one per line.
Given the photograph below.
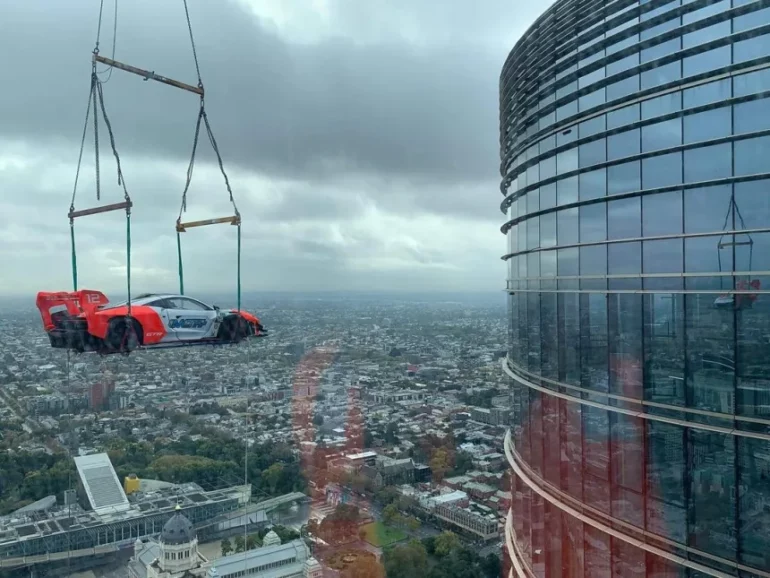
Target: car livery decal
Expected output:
[188,323]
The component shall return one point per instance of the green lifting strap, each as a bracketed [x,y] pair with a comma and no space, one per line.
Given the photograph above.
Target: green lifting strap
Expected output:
[128,258]
[181,269]
[239,267]
[74,256]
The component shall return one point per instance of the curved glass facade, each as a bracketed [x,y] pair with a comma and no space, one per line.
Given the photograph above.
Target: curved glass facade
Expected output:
[635,156]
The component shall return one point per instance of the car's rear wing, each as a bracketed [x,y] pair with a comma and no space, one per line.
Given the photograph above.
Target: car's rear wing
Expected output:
[75,302]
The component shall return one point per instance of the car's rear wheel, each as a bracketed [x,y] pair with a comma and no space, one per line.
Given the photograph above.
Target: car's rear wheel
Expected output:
[124,335]
[233,329]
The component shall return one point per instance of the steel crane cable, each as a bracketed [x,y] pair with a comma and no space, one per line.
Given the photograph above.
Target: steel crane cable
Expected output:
[202,116]
[96,98]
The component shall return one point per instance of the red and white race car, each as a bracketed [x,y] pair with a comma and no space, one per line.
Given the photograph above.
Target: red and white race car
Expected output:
[86,321]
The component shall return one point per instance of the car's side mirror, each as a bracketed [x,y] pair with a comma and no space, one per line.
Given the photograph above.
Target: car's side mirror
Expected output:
[216,307]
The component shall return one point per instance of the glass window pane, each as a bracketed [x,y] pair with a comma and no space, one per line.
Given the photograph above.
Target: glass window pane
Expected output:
[753,489]
[665,26]
[661,171]
[660,50]
[593,345]
[622,88]
[661,105]
[706,61]
[707,34]
[703,255]
[548,196]
[592,99]
[662,135]
[547,144]
[624,218]
[593,184]
[753,200]
[662,214]
[624,258]
[751,155]
[712,489]
[565,136]
[567,190]
[568,261]
[751,83]
[624,144]
[752,116]
[752,48]
[592,153]
[712,92]
[566,110]
[547,263]
[567,161]
[661,75]
[533,201]
[593,223]
[667,464]
[591,77]
[705,11]
[593,260]
[567,226]
[592,126]
[533,174]
[664,256]
[624,63]
[706,208]
[751,20]
[715,123]
[623,116]
[624,313]
[548,168]
[624,178]
[708,163]
[548,230]
[533,232]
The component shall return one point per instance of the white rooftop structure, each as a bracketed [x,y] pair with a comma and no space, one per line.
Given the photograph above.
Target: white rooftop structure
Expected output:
[105,494]
[277,561]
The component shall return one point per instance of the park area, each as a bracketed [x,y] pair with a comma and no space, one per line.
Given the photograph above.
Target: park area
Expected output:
[380,535]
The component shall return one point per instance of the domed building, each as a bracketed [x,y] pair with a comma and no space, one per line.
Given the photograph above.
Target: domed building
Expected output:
[174,555]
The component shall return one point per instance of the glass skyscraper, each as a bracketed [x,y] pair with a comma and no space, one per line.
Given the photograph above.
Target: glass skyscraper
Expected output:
[635,157]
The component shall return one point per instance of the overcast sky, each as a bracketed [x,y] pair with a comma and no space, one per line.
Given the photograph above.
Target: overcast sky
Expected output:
[360,137]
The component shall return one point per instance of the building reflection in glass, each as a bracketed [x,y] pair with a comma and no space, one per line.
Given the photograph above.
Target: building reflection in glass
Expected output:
[635,147]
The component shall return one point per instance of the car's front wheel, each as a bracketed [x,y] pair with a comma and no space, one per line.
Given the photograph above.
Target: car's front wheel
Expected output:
[124,335]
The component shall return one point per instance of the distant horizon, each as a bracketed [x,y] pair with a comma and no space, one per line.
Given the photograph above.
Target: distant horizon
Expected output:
[227,298]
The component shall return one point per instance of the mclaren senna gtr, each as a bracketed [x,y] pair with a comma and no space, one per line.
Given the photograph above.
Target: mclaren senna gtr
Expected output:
[85,320]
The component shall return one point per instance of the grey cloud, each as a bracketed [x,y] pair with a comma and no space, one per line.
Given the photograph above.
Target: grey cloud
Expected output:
[275,107]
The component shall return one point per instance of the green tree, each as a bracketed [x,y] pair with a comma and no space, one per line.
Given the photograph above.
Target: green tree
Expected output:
[226,546]
[491,566]
[446,542]
[240,544]
[253,541]
[272,476]
[413,524]
[463,463]
[439,464]
[406,560]
[387,495]
[390,433]
[389,514]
